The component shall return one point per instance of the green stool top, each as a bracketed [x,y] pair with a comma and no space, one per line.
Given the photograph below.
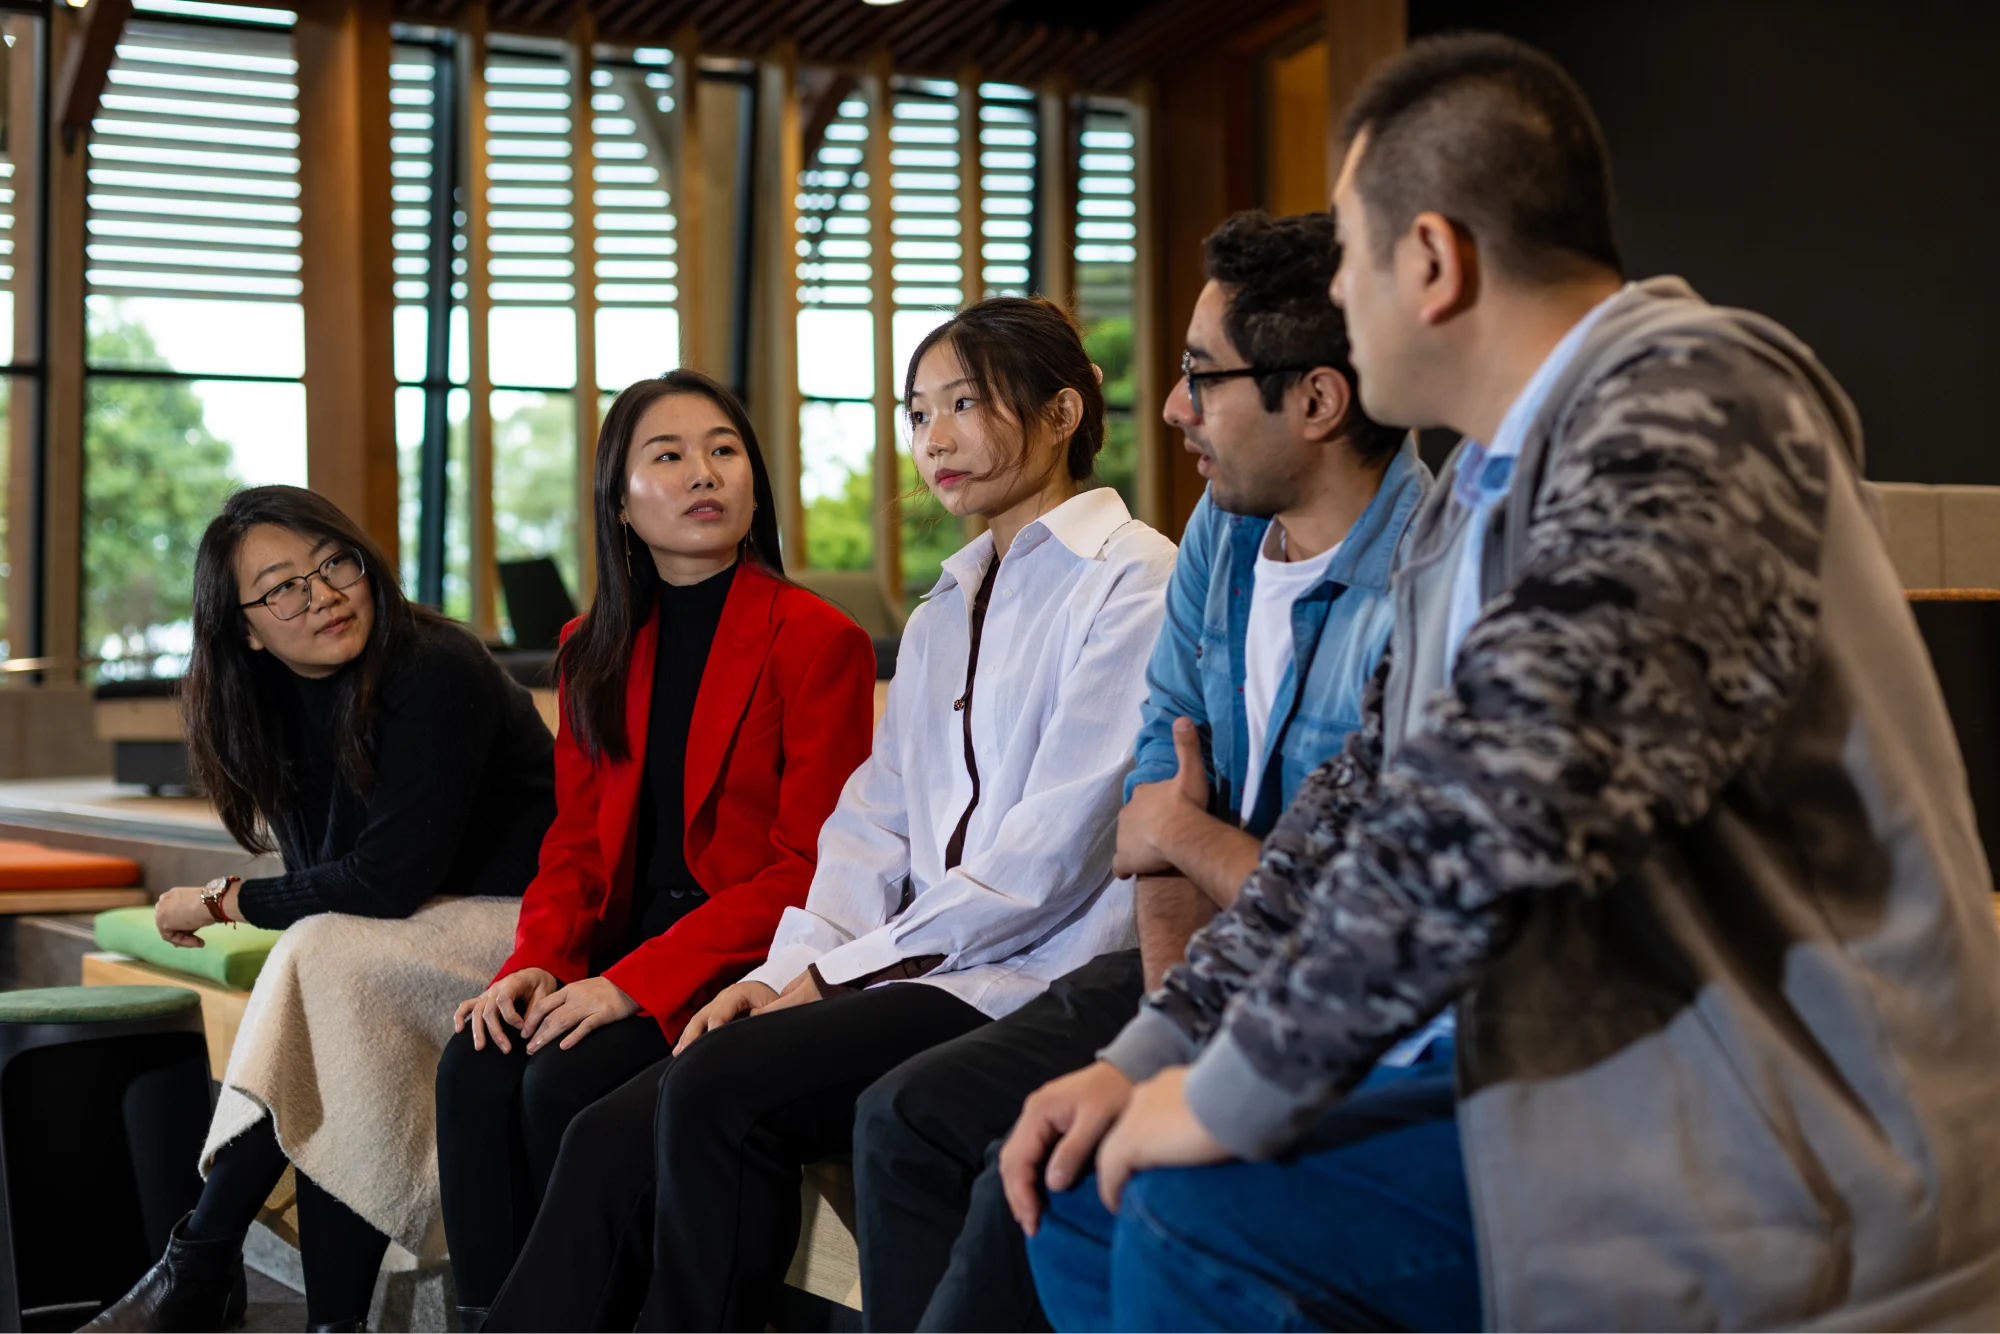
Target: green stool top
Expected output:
[93,1005]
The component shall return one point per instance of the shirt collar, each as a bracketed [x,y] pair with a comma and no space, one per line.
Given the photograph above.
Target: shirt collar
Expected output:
[1086,521]
[1367,555]
[1083,523]
[1512,433]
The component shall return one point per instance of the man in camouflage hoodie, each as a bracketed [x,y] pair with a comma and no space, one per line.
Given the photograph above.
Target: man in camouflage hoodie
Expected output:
[1656,787]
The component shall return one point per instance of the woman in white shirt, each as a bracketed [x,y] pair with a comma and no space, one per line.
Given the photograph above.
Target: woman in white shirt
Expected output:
[967,865]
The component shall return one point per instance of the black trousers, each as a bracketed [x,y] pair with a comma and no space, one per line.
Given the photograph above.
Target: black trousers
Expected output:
[340,1251]
[501,1118]
[736,1117]
[939,1249]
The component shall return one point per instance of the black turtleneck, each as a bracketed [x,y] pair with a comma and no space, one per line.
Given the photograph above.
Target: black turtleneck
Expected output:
[464,789]
[663,889]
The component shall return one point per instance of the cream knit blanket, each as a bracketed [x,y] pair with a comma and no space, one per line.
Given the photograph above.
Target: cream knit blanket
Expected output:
[340,1045]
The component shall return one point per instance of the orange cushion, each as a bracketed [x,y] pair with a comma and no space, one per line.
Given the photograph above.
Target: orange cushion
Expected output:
[26,865]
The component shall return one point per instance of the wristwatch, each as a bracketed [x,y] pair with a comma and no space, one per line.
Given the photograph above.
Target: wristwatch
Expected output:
[211,896]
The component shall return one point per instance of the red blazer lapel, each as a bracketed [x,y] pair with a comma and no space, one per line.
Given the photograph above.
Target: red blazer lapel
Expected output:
[743,638]
[617,817]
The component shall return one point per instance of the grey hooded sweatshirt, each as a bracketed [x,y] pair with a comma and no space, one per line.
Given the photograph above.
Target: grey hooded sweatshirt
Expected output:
[1685,835]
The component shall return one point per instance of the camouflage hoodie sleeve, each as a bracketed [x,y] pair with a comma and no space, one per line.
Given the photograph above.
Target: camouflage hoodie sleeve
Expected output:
[1234,945]
[1665,613]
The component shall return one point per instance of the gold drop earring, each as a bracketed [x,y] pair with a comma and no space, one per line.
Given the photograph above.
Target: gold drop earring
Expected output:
[626,524]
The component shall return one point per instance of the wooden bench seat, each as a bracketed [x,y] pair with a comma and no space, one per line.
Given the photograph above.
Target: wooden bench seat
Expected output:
[826,1264]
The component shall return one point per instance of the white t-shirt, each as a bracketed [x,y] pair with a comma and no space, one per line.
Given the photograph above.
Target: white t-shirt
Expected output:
[1267,647]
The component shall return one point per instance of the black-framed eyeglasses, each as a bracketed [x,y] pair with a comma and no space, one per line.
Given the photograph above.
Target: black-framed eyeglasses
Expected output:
[293,598]
[1195,378]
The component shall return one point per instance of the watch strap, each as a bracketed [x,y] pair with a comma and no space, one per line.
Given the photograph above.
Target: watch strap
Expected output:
[212,893]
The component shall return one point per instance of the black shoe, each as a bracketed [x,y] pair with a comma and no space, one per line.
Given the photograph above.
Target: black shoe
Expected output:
[196,1285]
[471,1319]
[339,1327]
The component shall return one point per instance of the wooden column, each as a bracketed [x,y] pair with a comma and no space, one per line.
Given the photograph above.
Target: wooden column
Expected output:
[583,249]
[1055,225]
[61,475]
[882,306]
[724,126]
[1360,34]
[1149,357]
[478,315]
[1201,112]
[87,65]
[25,145]
[774,360]
[971,191]
[971,218]
[690,200]
[347,259]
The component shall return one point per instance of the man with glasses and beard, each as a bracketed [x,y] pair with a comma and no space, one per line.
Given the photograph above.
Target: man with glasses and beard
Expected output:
[1276,616]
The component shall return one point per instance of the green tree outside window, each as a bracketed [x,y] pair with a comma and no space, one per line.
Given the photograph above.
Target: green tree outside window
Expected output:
[153,478]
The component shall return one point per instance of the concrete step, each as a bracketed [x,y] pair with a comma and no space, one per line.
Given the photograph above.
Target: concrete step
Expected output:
[166,859]
[44,951]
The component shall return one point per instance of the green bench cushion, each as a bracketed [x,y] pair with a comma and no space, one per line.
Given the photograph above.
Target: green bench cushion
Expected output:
[231,955]
[93,1005]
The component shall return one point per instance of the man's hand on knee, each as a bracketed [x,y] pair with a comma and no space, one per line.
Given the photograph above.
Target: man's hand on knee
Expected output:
[1071,1114]
[1156,1128]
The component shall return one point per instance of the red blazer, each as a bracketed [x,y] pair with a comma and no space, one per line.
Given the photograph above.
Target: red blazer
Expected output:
[783,716]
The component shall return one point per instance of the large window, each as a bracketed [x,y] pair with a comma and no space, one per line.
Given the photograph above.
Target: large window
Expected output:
[430,398]
[928,258]
[195,342]
[837,348]
[1106,239]
[533,283]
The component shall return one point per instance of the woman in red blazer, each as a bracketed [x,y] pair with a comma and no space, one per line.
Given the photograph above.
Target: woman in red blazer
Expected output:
[711,712]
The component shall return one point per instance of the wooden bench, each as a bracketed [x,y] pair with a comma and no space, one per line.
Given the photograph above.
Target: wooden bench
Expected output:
[827,1263]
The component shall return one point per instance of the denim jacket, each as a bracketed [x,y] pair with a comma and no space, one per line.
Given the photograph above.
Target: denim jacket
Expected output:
[1339,630]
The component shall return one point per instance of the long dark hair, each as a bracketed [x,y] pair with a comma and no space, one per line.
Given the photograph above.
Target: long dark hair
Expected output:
[1021,352]
[237,705]
[593,661]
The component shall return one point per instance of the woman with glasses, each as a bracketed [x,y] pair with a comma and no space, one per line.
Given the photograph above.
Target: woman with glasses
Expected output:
[711,711]
[966,867]
[407,782]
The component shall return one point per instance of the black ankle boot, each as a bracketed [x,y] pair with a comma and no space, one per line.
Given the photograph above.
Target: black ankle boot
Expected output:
[471,1319]
[196,1285]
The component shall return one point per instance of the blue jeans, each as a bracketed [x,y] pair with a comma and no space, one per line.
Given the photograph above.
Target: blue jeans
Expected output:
[1367,1226]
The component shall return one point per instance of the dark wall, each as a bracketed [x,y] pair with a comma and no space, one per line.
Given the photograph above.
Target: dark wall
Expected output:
[1833,163]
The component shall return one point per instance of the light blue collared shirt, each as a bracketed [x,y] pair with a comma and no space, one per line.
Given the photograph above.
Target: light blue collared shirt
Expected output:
[1486,472]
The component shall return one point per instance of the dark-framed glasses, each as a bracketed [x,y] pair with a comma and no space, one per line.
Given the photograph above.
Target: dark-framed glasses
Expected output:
[293,598]
[1195,379]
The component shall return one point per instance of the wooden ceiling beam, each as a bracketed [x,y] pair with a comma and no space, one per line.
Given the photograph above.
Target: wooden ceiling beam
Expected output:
[87,65]
[932,38]
[925,28]
[754,24]
[1017,65]
[544,14]
[707,15]
[819,112]
[619,19]
[821,31]
[942,46]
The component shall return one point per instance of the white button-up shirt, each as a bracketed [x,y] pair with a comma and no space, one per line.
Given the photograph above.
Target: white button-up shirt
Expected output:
[1070,624]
